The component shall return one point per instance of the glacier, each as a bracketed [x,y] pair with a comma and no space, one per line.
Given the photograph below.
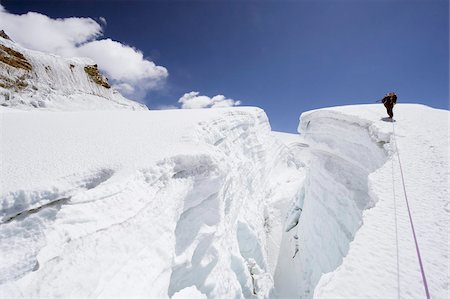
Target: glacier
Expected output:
[213,203]
[101,197]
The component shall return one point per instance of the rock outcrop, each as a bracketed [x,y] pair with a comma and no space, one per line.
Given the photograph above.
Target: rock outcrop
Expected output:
[92,71]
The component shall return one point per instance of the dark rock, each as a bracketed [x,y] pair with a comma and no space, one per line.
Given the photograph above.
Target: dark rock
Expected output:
[4,35]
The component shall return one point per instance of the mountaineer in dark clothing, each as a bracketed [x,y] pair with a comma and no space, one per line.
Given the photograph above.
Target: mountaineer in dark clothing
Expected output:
[389,101]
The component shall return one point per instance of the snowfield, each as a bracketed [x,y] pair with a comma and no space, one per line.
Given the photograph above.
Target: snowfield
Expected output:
[99,204]
[212,204]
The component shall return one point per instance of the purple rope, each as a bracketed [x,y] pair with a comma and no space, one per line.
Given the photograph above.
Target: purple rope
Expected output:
[396,229]
[411,221]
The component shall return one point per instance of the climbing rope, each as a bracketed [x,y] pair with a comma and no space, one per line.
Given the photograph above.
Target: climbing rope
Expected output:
[422,271]
[396,229]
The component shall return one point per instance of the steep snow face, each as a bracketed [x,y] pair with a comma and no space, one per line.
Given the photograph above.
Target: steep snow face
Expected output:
[328,212]
[160,204]
[31,79]
[345,222]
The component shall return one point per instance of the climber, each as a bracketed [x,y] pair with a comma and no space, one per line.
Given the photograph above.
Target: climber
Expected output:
[389,101]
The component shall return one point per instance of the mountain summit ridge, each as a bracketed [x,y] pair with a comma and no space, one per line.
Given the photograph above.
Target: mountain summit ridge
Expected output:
[32,79]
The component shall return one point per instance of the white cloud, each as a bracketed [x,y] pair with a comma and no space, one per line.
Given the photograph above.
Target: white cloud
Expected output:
[166,107]
[39,32]
[192,100]
[125,66]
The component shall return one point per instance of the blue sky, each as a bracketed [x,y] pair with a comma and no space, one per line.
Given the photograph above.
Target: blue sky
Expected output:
[286,56]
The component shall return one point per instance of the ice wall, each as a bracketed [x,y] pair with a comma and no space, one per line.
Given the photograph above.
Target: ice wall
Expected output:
[323,220]
[260,174]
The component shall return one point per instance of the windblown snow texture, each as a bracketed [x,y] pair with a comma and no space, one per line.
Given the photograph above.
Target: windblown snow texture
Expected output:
[213,204]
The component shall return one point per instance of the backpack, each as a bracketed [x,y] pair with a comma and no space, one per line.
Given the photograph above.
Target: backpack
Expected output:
[390,100]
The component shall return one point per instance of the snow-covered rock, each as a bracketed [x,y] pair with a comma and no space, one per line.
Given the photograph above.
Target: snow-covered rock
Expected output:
[212,203]
[31,79]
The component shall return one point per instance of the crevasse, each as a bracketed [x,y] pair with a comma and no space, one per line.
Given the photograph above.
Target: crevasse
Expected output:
[342,153]
[232,211]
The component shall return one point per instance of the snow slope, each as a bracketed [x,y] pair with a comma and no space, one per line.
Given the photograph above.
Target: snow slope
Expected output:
[31,79]
[152,203]
[213,204]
